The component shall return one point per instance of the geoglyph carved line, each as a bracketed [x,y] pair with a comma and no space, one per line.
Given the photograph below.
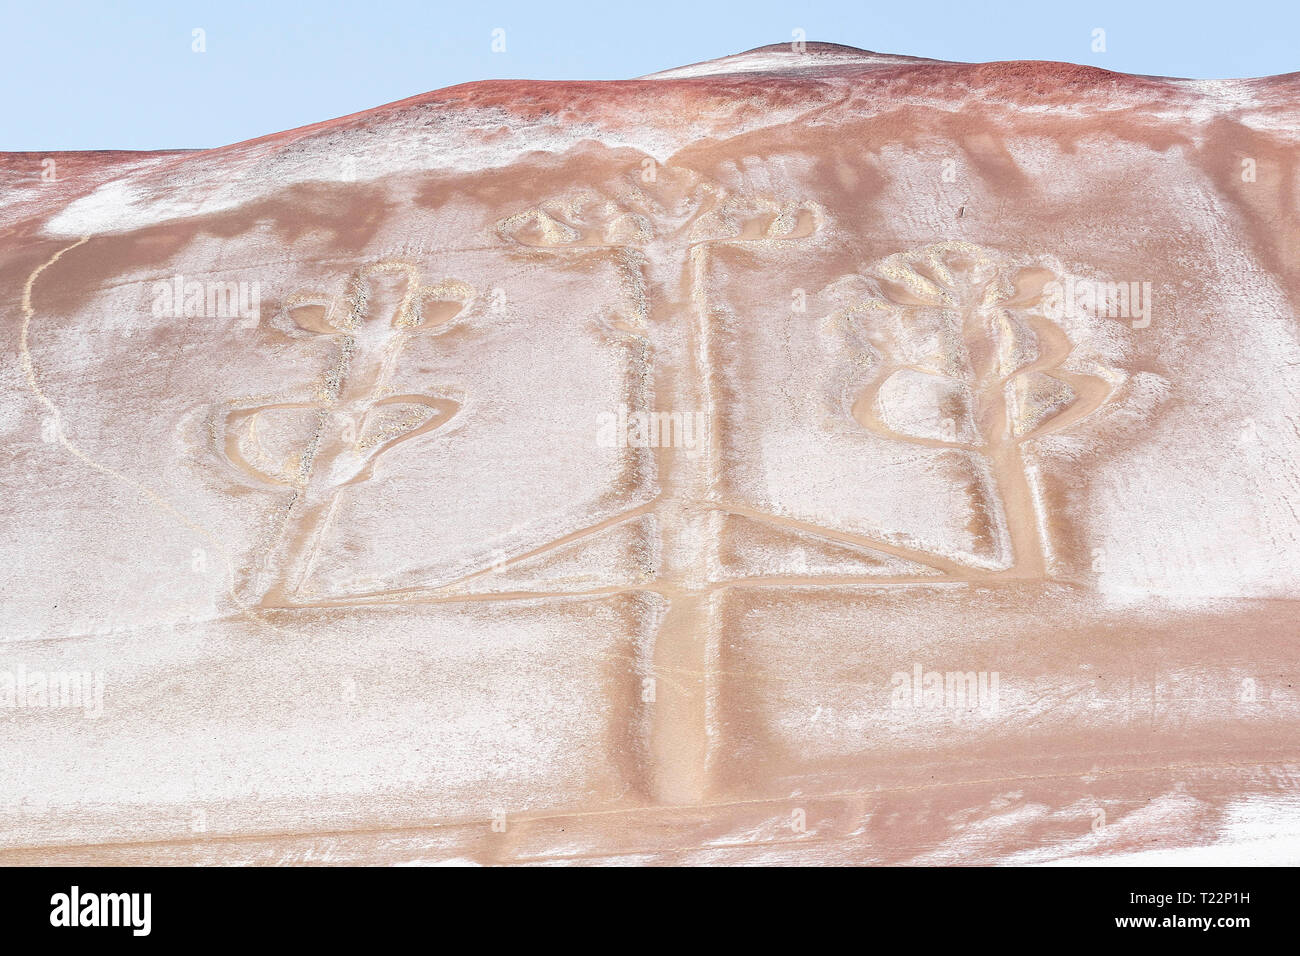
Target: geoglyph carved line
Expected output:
[354,416]
[968,363]
[29,372]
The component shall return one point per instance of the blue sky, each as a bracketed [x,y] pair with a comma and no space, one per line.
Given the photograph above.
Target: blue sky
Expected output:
[82,75]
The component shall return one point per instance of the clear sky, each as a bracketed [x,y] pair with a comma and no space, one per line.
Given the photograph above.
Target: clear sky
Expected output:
[83,75]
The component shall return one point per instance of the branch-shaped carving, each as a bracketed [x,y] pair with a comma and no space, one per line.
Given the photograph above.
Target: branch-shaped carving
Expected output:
[969,361]
[322,443]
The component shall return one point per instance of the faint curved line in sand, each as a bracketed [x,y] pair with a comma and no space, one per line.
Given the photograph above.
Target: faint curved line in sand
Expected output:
[240,424]
[1092,391]
[864,413]
[443,410]
[29,370]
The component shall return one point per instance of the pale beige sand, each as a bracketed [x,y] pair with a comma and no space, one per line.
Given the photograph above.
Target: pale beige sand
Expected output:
[366,579]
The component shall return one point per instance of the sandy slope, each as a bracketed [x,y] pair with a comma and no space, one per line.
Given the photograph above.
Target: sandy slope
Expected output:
[384,572]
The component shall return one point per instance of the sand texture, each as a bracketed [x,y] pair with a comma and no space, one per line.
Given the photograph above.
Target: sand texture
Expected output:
[819,457]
